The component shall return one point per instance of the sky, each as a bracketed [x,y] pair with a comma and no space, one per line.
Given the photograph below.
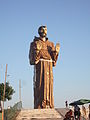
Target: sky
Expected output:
[68,22]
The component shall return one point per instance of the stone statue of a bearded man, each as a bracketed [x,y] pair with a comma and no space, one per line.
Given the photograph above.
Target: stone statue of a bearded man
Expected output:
[43,55]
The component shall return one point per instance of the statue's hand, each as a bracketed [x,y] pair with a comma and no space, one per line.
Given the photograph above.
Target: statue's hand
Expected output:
[39,45]
[57,48]
[36,61]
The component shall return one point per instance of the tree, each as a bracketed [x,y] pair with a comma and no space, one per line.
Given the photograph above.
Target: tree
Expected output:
[8,92]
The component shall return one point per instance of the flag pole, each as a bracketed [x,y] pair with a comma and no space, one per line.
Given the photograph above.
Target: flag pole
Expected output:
[4,94]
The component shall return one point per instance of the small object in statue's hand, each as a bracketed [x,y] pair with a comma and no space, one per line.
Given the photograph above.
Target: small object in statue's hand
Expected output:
[57,48]
[39,46]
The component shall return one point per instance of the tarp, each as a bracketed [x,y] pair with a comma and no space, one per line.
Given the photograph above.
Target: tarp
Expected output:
[80,102]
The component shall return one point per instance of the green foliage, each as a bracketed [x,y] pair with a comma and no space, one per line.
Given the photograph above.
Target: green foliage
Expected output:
[8,91]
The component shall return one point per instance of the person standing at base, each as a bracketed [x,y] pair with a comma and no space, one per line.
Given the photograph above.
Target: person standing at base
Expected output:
[66,103]
[77,113]
[69,115]
[84,111]
[89,112]
[43,55]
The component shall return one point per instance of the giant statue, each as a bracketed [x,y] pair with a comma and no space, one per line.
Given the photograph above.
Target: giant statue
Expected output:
[43,55]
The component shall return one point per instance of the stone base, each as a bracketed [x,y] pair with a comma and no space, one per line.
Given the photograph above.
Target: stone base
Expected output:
[39,114]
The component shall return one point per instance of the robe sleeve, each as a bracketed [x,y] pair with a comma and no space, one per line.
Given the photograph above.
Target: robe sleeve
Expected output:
[34,54]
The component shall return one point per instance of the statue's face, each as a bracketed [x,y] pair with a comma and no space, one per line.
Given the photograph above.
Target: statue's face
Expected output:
[42,31]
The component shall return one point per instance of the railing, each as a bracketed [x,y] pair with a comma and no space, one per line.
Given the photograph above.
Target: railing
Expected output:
[10,114]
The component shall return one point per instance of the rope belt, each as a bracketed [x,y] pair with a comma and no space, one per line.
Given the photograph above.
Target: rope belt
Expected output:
[46,60]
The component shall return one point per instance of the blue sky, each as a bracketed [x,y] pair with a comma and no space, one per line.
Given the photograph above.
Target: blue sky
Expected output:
[68,22]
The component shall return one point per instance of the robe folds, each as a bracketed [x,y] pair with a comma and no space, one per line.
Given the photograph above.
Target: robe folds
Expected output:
[43,56]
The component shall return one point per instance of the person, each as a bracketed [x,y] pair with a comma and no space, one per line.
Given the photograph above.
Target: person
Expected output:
[69,115]
[77,113]
[89,112]
[43,55]
[84,111]
[66,103]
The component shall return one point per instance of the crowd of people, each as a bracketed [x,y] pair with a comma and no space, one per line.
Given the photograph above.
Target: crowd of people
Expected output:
[76,113]
[69,115]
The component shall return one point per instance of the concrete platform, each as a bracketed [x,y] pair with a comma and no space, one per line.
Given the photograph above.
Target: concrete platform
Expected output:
[41,114]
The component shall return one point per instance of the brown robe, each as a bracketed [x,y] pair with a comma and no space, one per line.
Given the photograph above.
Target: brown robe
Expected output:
[46,58]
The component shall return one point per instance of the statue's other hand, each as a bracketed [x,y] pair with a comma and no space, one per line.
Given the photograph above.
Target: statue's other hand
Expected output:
[36,62]
[57,48]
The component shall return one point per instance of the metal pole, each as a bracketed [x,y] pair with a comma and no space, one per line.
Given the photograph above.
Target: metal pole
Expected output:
[4,93]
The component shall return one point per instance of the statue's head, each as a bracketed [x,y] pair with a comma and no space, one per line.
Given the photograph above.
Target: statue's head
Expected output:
[42,31]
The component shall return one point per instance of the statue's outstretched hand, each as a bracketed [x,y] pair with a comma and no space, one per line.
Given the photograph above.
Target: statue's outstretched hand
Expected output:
[57,48]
